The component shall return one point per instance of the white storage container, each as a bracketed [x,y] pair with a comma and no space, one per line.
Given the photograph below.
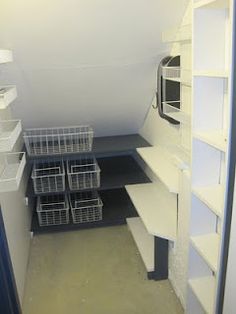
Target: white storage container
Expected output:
[10,131]
[5,56]
[11,170]
[85,207]
[58,140]
[7,95]
[48,176]
[53,210]
[83,173]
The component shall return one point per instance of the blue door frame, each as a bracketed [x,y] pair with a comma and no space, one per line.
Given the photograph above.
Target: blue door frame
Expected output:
[9,300]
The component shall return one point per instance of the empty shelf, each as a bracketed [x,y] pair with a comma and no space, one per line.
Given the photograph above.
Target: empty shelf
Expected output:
[216,139]
[161,163]
[204,289]
[211,4]
[7,95]
[212,73]
[143,240]
[208,247]
[5,56]
[175,113]
[156,207]
[178,34]
[12,167]
[212,196]
[10,131]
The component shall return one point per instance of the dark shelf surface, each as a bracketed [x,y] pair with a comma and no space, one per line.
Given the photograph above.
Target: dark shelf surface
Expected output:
[117,207]
[116,172]
[108,145]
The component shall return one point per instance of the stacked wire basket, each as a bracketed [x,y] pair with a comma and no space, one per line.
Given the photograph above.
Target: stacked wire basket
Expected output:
[69,183]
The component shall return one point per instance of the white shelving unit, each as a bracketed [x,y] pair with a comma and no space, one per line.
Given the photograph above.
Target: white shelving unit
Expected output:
[5,56]
[212,23]
[10,131]
[162,165]
[157,208]
[7,95]
[143,240]
[11,171]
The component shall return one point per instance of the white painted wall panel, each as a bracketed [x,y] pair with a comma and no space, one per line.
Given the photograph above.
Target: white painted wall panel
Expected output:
[85,61]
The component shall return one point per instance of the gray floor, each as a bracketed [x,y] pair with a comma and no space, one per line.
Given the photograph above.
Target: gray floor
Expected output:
[92,272]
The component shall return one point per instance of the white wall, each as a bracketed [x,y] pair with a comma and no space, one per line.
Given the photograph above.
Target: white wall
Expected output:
[17,221]
[160,132]
[85,61]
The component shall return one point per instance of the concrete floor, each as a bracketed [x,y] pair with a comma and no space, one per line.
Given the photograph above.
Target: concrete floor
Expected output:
[96,271]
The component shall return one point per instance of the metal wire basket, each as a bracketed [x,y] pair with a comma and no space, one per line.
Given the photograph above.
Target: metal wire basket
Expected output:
[58,140]
[48,176]
[171,72]
[83,173]
[85,207]
[53,210]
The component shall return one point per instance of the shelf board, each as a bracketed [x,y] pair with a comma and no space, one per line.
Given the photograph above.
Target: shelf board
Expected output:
[144,242]
[204,289]
[117,206]
[161,163]
[116,172]
[211,4]
[208,247]
[5,56]
[157,208]
[212,196]
[108,145]
[7,95]
[213,138]
[212,73]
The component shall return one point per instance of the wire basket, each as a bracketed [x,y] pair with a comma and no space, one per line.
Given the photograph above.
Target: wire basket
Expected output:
[58,140]
[171,72]
[83,173]
[85,207]
[48,176]
[53,210]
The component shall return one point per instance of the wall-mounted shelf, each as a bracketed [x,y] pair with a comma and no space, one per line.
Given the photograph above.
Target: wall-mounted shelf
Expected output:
[11,171]
[161,163]
[178,34]
[212,196]
[204,289]
[211,4]
[175,113]
[7,95]
[10,131]
[5,56]
[216,139]
[208,247]
[212,73]
[156,207]
[143,240]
